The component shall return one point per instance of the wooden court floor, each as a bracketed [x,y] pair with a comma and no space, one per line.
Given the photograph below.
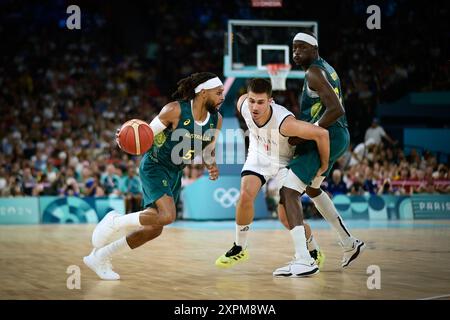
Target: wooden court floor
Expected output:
[414,264]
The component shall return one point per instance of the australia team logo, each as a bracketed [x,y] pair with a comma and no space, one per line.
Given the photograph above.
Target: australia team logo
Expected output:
[160,139]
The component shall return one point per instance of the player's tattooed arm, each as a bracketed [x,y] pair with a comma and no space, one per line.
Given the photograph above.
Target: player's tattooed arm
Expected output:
[292,127]
[318,82]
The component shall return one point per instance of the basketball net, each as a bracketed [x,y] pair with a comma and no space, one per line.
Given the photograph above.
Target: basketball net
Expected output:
[278,73]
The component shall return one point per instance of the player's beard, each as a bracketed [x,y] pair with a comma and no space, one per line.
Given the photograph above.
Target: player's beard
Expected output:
[211,107]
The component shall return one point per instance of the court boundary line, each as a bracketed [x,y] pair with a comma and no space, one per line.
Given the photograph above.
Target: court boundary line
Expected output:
[436,297]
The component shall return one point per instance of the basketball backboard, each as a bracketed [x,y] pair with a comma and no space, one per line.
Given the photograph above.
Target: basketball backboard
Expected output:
[252,44]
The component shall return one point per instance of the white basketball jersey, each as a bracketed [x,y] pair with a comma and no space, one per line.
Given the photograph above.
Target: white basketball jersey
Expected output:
[269,150]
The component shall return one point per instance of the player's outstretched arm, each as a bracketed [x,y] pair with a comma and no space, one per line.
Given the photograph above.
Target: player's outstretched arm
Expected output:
[240,102]
[318,82]
[292,127]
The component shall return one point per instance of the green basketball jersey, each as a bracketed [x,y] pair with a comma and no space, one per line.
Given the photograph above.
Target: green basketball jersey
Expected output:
[177,148]
[311,106]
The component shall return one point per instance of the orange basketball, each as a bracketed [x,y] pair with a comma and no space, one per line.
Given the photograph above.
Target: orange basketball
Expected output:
[135,137]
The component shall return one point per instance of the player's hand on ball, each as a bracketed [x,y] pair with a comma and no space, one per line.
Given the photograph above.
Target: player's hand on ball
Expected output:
[213,172]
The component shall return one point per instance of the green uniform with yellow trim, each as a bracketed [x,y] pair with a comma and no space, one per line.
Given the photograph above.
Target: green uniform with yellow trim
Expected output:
[161,167]
[306,160]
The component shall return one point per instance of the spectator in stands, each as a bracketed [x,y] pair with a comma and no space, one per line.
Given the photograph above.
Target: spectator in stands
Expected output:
[13,188]
[131,188]
[92,187]
[441,180]
[386,187]
[28,181]
[44,187]
[357,188]
[336,185]
[70,188]
[110,181]
[376,133]
[363,150]
[4,176]
[370,182]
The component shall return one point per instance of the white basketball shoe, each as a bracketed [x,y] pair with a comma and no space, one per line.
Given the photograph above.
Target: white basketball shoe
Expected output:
[352,251]
[298,268]
[105,231]
[102,267]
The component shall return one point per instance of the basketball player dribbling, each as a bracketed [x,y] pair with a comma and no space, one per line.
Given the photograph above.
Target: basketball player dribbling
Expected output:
[195,115]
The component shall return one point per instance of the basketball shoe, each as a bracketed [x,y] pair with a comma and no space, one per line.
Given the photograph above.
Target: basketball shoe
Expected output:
[298,268]
[102,267]
[234,255]
[319,257]
[352,251]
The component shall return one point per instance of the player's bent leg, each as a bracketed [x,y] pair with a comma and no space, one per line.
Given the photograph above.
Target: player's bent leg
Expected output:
[114,225]
[100,260]
[250,186]
[282,216]
[303,265]
[147,233]
[352,246]
[166,213]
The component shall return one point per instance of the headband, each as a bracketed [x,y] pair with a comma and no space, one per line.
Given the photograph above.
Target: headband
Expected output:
[210,84]
[306,38]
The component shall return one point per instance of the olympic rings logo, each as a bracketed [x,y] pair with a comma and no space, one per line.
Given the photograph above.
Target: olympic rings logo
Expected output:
[226,198]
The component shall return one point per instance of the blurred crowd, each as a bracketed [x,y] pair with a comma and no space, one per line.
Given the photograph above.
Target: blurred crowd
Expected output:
[63,94]
[380,166]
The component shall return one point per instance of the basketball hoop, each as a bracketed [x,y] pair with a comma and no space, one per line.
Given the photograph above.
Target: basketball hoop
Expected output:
[278,73]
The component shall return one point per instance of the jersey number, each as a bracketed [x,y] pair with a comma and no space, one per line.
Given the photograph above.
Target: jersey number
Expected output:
[188,155]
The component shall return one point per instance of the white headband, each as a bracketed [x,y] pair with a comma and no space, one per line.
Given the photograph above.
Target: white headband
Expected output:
[306,38]
[210,84]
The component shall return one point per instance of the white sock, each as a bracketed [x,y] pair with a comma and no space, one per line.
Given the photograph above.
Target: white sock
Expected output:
[328,211]
[298,235]
[312,244]
[113,248]
[241,235]
[128,220]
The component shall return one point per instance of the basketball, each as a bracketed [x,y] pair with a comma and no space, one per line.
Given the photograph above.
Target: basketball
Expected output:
[135,137]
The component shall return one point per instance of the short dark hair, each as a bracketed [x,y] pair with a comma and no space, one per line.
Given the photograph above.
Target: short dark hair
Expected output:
[259,85]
